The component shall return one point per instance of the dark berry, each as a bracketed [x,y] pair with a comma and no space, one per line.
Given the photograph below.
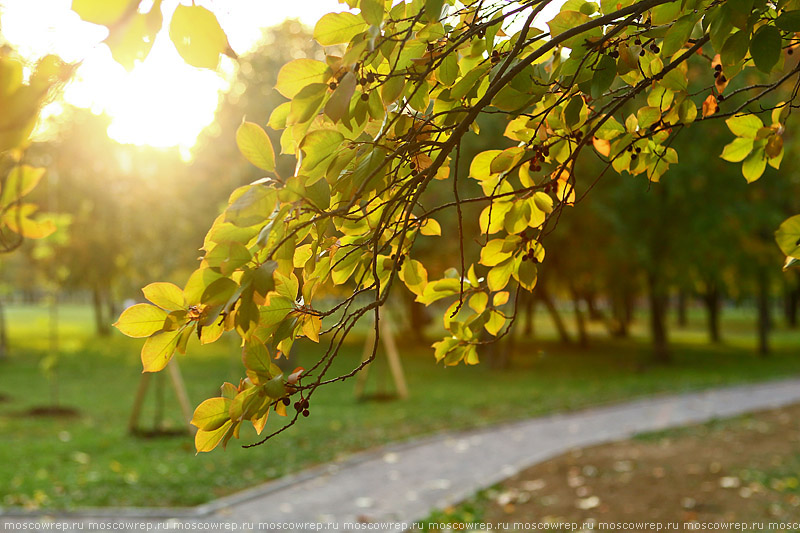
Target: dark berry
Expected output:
[721,97]
[642,53]
[633,157]
[722,78]
[524,257]
[716,74]
[638,150]
[637,41]
[790,51]
[717,67]
[298,407]
[364,96]
[716,109]
[286,401]
[305,412]
[332,85]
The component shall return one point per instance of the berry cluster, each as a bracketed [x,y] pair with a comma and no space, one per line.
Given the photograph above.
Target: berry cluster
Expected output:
[301,406]
[530,256]
[634,152]
[400,261]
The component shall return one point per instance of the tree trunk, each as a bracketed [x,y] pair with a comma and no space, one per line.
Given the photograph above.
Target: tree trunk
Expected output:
[763,314]
[580,320]
[621,315]
[530,314]
[657,297]
[545,297]
[683,304]
[711,299]
[100,321]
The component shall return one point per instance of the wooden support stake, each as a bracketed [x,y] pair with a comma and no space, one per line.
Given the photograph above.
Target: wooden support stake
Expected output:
[392,356]
[180,392]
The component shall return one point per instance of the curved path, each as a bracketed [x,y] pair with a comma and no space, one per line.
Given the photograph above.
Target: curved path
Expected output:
[402,483]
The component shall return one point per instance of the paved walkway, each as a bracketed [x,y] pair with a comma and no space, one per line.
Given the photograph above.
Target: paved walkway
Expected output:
[404,483]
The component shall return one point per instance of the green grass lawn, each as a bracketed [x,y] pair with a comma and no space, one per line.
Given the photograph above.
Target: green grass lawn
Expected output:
[92,461]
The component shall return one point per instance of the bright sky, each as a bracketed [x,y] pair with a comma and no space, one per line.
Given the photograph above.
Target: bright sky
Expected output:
[163,101]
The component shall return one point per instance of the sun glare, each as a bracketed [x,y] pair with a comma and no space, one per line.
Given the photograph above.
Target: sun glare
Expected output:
[162,102]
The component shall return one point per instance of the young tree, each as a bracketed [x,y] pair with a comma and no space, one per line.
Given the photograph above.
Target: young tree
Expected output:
[384,117]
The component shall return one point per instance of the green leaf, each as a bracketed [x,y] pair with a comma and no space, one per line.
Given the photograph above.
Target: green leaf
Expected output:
[789,21]
[372,11]
[318,146]
[228,256]
[754,165]
[414,275]
[543,201]
[567,20]
[20,181]
[495,252]
[527,275]
[392,88]
[433,9]
[299,73]
[197,284]
[218,292]
[735,48]
[211,414]
[788,236]
[255,146]
[165,295]
[678,35]
[448,70]
[131,42]
[498,277]
[158,350]
[338,107]
[745,125]
[105,12]
[737,150]
[338,28]
[254,206]
[605,72]
[647,116]
[766,47]
[141,320]
[197,35]
[255,357]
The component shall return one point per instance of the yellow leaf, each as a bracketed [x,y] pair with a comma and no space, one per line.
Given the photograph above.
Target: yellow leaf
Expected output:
[141,320]
[311,326]
[299,73]
[132,41]
[211,414]
[197,35]
[165,295]
[338,28]
[255,146]
[158,349]
[500,298]
[205,441]
[20,181]
[105,12]
[431,227]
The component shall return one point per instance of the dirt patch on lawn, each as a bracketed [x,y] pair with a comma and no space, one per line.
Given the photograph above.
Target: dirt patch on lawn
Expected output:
[744,469]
